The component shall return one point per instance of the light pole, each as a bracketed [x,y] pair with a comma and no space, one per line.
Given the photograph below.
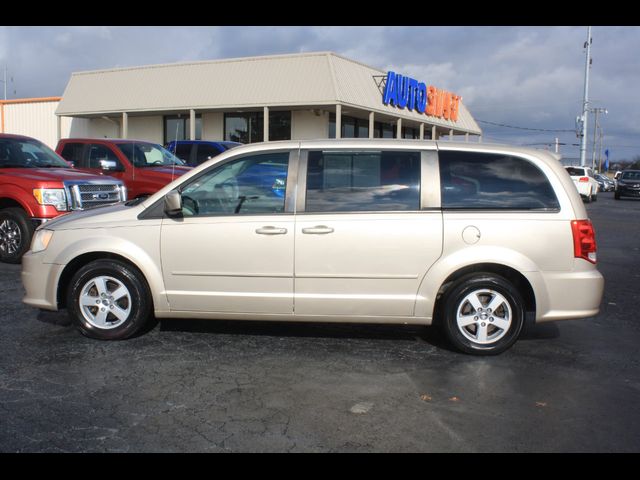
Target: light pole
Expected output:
[585,101]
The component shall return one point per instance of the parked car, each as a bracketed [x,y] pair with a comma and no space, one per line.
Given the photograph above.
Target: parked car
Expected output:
[370,231]
[605,184]
[37,185]
[195,152]
[144,167]
[628,184]
[585,182]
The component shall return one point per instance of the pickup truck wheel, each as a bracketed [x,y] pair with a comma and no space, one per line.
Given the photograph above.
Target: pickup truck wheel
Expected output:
[484,314]
[16,231]
[108,300]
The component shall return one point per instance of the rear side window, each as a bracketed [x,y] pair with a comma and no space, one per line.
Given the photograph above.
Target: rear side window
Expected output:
[205,152]
[363,181]
[487,181]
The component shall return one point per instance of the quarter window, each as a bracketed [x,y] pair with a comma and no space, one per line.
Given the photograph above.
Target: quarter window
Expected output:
[363,181]
[491,181]
[251,185]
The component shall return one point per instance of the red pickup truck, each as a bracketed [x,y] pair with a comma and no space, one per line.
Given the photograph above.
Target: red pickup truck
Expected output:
[144,167]
[37,185]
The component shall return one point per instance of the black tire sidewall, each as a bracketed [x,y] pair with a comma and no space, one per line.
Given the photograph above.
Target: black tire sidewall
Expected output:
[469,284]
[26,231]
[135,283]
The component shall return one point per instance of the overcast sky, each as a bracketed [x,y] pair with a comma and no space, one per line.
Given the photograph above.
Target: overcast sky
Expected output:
[530,77]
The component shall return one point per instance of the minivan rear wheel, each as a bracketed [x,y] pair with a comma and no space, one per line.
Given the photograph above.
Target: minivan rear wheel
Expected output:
[108,300]
[483,314]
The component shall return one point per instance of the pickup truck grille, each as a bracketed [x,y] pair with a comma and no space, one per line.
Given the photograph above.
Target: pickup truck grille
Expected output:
[89,195]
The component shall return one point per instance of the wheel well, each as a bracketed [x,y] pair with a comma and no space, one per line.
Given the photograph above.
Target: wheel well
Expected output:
[510,274]
[77,263]
[8,203]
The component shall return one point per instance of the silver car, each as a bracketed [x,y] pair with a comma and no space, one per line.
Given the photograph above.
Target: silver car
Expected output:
[469,237]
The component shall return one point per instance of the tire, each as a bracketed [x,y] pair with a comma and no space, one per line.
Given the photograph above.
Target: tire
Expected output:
[121,296]
[16,231]
[483,329]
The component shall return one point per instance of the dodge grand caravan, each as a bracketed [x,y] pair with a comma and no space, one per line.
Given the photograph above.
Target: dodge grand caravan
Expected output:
[470,237]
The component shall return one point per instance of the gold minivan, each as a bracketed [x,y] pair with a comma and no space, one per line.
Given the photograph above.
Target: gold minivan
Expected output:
[470,237]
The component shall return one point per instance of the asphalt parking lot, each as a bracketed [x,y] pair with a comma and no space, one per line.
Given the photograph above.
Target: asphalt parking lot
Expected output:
[203,386]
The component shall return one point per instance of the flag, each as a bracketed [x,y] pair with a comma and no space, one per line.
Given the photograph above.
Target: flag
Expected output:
[606,160]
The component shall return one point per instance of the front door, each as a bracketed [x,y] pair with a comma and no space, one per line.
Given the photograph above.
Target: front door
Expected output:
[365,239]
[232,248]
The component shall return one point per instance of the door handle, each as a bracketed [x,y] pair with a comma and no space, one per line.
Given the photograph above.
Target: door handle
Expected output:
[317,230]
[271,230]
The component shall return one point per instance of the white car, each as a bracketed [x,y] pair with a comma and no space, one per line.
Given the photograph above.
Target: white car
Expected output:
[585,181]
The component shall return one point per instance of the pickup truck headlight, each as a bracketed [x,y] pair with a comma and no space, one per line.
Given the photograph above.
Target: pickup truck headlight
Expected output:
[52,196]
[41,240]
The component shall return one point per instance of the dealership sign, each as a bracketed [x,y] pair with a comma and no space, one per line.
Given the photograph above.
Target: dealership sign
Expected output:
[405,92]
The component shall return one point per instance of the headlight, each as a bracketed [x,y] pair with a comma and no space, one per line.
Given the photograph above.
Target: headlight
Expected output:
[52,196]
[41,240]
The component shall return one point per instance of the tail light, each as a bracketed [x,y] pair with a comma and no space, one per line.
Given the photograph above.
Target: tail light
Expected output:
[584,179]
[584,240]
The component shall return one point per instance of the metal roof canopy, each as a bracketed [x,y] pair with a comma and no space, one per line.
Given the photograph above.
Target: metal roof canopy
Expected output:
[316,79]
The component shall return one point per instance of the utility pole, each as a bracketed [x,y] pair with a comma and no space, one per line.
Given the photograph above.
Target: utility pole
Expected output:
[585,100]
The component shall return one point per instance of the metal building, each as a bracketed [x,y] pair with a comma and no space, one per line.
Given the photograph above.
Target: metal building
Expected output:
[278,97]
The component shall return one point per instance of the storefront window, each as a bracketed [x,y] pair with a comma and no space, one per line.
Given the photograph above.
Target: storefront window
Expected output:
[177,127]
[351,127]
[384,130]
[248,127]
[280,125]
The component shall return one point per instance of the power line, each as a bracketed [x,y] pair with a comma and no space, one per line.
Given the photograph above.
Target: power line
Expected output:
[524,128]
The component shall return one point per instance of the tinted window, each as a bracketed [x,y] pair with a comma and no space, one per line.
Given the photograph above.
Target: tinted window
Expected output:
[489,181]
[183,152]
[205,152]
[363,181]
[72,152]
[251,185]
[575,171]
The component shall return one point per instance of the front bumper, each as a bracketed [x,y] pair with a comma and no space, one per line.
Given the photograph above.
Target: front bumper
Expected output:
[40,281]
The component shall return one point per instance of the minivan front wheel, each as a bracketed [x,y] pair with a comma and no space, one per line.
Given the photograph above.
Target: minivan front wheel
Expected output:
[483,314]
[108,300]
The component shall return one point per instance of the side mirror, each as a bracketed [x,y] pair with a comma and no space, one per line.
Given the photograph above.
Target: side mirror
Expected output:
[108,164]
[173,203]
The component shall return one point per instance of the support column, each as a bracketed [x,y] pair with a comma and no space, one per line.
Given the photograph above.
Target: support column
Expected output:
[338,121]
[399,129]
[192,124]
[434,133]
[451,134]
[466,137]
[422,131]
[265,124]
[125,125]
[371,124]
[58,127]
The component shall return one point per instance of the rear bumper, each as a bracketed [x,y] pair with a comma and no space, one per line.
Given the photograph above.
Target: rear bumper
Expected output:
[571,295]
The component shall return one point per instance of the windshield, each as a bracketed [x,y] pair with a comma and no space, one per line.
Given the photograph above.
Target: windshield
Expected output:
[148,155]
[28,153]
[575,171]
[630,176]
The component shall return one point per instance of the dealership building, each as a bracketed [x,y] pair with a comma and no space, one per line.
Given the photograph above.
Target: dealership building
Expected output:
[254,99]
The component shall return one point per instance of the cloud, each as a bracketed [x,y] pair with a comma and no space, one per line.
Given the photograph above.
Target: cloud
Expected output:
[523,76]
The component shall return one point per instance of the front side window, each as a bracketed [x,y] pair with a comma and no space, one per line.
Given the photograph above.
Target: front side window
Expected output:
[363,181]
[254,184]
[102,157]
[472,180]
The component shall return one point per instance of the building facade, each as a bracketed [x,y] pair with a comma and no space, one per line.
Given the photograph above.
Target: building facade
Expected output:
[267,98]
